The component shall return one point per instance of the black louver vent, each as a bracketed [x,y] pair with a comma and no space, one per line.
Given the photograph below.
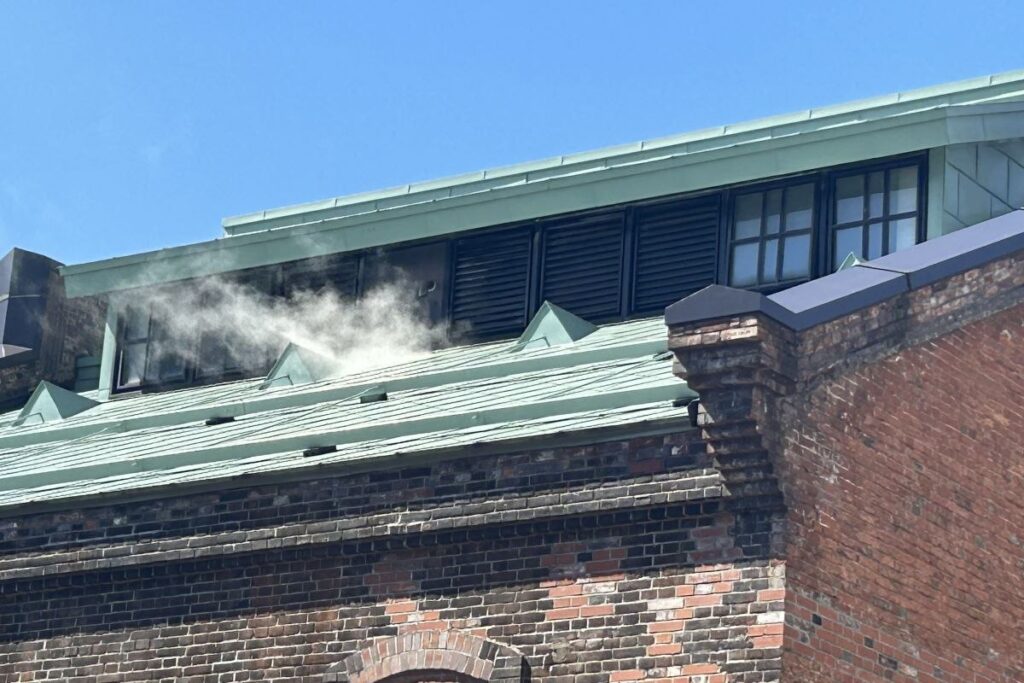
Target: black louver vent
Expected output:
[490,284]
[676,251]
[337,273]
[582,267]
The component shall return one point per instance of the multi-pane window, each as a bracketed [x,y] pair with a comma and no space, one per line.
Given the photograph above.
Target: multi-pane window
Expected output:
[771,236]
[874,213]
[133,348]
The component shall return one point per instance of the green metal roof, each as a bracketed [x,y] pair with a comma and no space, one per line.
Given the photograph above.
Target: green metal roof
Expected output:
[617,377]
[987,108]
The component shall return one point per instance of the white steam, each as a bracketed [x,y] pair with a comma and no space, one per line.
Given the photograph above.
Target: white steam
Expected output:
[384,326]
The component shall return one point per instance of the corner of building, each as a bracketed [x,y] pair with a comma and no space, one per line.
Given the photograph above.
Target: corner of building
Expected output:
[892,428]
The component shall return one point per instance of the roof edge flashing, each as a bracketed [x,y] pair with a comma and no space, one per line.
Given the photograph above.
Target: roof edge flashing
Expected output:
[860,285]
[953,93]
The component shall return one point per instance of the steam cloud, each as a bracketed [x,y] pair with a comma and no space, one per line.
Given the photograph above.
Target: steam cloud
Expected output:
[382,327]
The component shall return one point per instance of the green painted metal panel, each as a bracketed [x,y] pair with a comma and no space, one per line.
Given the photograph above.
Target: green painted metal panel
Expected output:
[641,338]
[50,403]
[553,326]
[614,376]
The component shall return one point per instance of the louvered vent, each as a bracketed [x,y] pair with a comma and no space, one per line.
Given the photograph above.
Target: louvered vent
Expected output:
[582,268]
[334,272]
[676,251]
[491,277]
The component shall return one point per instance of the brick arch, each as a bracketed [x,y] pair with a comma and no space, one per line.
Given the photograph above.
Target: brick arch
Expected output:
[431,656]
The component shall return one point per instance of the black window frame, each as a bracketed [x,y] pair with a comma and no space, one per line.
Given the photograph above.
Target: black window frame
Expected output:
[124,342]
[731,194]
[826,256]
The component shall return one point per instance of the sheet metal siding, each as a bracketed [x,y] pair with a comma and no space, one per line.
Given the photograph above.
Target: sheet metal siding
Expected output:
[981,181]
[619,376]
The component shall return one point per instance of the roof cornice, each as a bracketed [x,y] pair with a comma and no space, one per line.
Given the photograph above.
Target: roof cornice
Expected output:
[972,111]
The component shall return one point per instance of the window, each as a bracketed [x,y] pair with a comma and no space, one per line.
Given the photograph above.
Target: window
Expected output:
[771,235]
[154,353]
[134,345]
[874,212]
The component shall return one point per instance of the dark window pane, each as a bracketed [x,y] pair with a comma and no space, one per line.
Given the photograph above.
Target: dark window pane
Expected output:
[875,242]
[903,190]
[744,265]
[849,199]
[136,324]
[848,240]
[171,368]
[799,207]
[902,234]
[213,355]
[770,262]
[796,257]
[876,190]
[133,364]
[773,212]
[747,222]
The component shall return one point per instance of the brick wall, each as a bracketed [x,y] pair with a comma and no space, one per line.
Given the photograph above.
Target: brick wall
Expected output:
[905,492]
[617,561]
[894,434]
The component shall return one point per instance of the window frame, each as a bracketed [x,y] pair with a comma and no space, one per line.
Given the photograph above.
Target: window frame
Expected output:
[122,349]
[831,175]
[726,240]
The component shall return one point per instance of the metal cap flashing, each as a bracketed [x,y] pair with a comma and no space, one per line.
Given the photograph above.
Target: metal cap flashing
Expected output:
[863,284]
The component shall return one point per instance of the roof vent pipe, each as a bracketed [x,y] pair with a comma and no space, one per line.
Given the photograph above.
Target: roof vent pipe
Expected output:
[318,450]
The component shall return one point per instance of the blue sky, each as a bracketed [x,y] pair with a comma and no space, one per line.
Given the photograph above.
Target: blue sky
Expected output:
[128,126]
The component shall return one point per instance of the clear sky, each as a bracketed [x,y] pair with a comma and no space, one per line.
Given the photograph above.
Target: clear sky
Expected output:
[129,126]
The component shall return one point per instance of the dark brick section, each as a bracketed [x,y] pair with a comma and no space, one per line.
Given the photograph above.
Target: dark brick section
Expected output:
[521,479]
[656,589]
[892,432]
[70,328]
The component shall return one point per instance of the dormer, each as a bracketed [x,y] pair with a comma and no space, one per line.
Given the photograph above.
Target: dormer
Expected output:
[607,235]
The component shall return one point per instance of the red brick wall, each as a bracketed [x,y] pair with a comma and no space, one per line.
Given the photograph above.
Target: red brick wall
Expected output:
[903,478]
[654,577]
[895,436]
